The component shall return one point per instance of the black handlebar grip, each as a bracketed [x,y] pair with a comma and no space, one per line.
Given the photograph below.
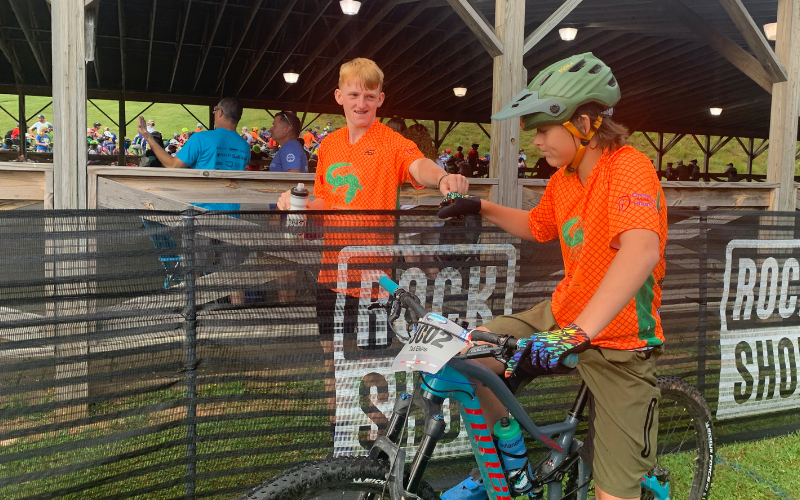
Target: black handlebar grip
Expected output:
[492,338]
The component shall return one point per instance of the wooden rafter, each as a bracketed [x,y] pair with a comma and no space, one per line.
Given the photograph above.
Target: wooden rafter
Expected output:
[755,39]
[248,23]
[548,25]
[478,24]
[410,44]
[150,46]
[6,50]
[320,47]
[728,49]
[207,47]
[274,32]
[357,37]
[121,19]
[26,30]
[397,28]
[180,43]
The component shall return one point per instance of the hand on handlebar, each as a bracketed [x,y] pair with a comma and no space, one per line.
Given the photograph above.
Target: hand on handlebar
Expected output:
[456,205]
[544,351]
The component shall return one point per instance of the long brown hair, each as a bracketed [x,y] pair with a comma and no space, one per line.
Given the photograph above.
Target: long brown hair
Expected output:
[611,135]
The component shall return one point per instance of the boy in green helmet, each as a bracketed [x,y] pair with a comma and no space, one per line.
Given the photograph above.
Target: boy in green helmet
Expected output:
[607,209]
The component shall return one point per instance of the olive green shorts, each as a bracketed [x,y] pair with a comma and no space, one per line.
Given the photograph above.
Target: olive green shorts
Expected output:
[623,406]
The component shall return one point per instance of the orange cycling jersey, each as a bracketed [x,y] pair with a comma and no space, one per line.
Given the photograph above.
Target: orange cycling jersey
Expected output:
[621,193]
[361,176]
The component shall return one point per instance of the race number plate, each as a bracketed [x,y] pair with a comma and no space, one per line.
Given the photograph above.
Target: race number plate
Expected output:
[435,341]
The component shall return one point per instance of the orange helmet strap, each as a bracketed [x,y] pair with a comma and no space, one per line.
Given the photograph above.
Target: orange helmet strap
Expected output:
[573,166]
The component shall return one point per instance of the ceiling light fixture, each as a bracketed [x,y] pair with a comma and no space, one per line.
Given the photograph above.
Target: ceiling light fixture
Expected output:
[771,31]
[291,76]
[568,34]
[716,111]
[350,7]
[460,91]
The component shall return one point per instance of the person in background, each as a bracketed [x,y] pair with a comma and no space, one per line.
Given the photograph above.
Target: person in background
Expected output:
[670,173]
[328,128]
[522,155]
[397,124]
[184,136]
[93,147]
[732,173]
[256,137]
[442,160]
[150,159]
[89,135]
[113,136]
[521,165]
[695,170]
[309,140]
[264,134]
[460,153]
[256,156]
[8,144]
[151,126]
[682,171]
[291,157]
[42,140]
[199,127]
[37,127]
[473,155]
[421,136]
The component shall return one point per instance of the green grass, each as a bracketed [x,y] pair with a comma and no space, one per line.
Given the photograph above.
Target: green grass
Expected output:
[171,118]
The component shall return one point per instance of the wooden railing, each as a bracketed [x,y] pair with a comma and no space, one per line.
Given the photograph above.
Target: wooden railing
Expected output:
[25,184]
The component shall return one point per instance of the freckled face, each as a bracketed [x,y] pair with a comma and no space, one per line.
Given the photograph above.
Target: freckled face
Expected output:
[360,104]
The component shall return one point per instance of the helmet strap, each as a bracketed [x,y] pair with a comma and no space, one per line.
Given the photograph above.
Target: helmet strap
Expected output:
[573,166]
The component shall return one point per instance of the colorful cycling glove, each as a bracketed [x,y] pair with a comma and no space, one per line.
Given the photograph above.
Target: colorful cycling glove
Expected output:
[458,205]
[542,352]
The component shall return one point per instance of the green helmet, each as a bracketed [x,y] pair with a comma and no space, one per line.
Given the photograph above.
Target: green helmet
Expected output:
[93,143]
[554,95]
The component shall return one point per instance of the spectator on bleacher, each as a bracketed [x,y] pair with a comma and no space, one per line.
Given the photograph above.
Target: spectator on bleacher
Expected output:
[328,127]
[42,140]
[93,145]
[15,134]
[41,124]
[246,136]
[732,173]
[460,153]
[464,168]
[670,173]
[257,156]
[109,142]
[264,134]
[199,127]
[150,159]
[7,144]
[291,157]
[683,171]
[473,156]
[397,124]
[96,127]
[151,127]
[421,136]
[309,140]
[521,165]
[184,136]
[522,155]
[695,170]
[542,169]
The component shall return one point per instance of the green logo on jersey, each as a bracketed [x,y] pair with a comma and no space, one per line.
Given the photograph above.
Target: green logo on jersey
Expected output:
[572,240]
[349,180]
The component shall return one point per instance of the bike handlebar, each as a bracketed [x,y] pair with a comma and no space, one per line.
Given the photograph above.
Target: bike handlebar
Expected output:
[571,361]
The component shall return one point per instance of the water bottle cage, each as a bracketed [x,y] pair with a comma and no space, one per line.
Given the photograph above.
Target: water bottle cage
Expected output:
[513,476]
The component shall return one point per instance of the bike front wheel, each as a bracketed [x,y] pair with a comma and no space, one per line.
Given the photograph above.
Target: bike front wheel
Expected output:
[345,478]
[685,452]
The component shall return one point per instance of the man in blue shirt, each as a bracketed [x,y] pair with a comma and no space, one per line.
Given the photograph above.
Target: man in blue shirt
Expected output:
[291,157]
[218,149]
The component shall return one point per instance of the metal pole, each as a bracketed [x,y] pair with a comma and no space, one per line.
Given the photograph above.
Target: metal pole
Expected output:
[750,151]
[190,326]
[660,157]
[123,131]
[211,117]
[703,295]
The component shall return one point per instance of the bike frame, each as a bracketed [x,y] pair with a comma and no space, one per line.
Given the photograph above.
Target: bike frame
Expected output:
[453,382]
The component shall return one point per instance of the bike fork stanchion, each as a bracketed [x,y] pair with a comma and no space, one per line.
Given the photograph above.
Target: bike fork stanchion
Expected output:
[399,417]
[190,327]
[434,430]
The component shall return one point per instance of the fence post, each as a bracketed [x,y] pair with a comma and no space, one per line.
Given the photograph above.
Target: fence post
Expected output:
[190,327]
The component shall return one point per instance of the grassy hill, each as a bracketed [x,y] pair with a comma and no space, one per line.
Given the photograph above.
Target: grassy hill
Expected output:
[171,118]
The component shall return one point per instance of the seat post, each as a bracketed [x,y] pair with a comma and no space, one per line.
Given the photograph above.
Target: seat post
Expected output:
[580,401]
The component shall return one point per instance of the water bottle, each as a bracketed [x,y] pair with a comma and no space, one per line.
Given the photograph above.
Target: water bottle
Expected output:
[297,201]
[511,446]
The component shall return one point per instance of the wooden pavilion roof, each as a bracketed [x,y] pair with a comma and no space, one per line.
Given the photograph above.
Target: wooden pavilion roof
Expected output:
[194,51]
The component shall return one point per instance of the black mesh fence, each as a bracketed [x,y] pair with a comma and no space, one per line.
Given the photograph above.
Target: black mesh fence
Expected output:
[165,355]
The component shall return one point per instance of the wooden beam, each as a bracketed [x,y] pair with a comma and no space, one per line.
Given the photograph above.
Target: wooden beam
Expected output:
[728,49]
[784,112]
[150,46]
[207,47]
[26,30]
[248,23]
[480,126]
[755,39]
[507,78]
[103,112]
[180,43]
[355,40]
[322,46]
[479,26]
[548,25]
[69,104]
[416,57]
[274,32]
[6,50]
[410,44]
